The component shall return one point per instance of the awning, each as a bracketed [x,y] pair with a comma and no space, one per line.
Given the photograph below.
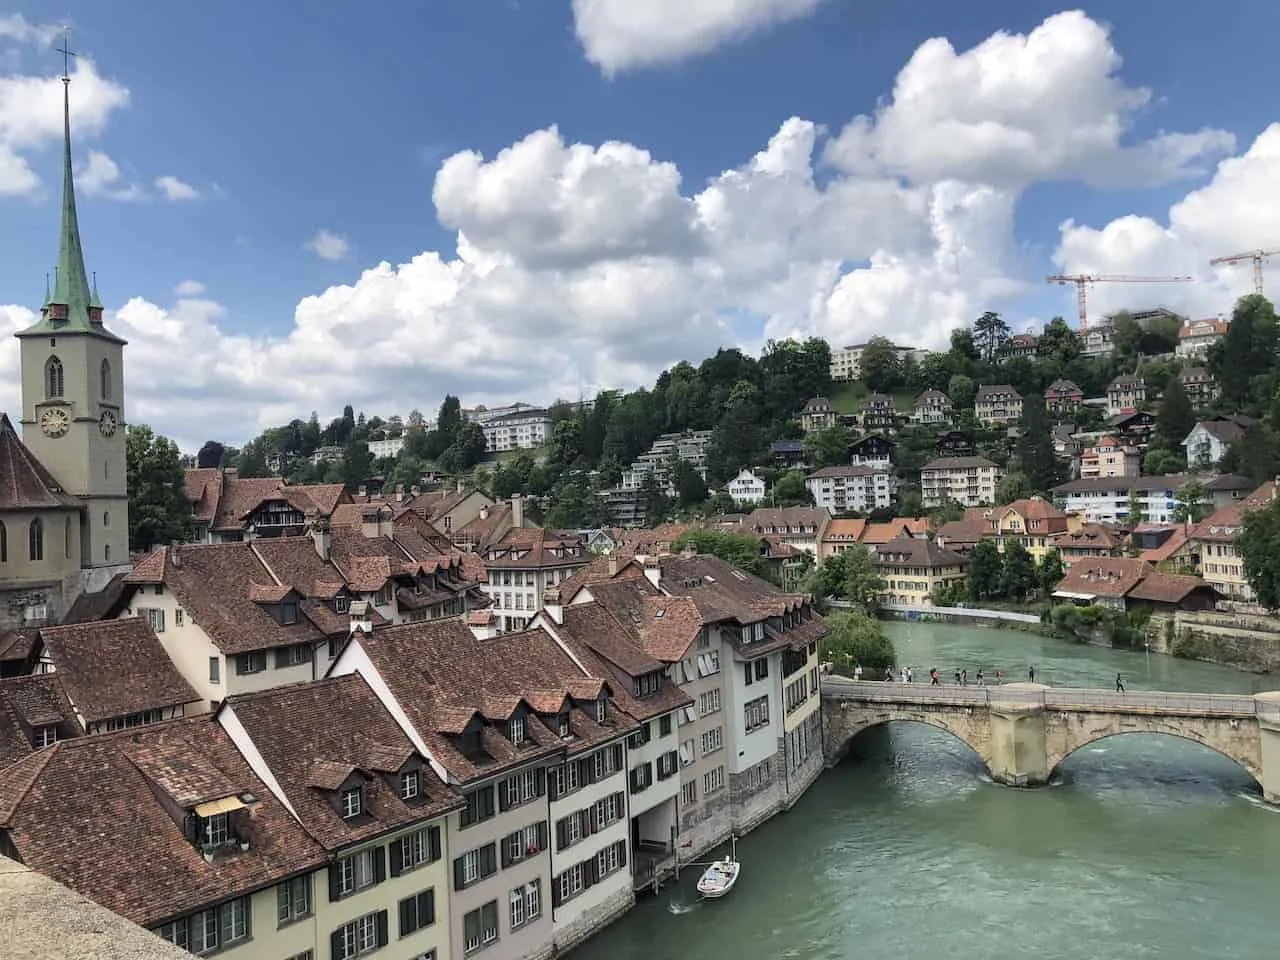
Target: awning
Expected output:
[225,805]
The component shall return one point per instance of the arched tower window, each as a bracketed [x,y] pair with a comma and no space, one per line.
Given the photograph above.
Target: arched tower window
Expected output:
[106,553]
[66,537]
[106,518]
[35,540]
[54,380]
[105,377]
[4,543]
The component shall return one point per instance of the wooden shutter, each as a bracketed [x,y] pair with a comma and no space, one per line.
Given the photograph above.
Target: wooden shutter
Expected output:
[542,834]
[617,756]
[591,872]
[506,850]
[635,779]
[622,803]
[561,832]
[553,785]
[335,886]
[589,824]
[503,794]
[587,770]
[381,922]
[336,943]
[433,835]
[379,864]
[555,894]
[408,908]
[622,852]
[458,882]
[427,907]
[540,782]
[396,850]
[488,860]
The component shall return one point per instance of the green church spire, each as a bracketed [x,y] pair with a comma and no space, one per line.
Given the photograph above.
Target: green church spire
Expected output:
[71,283]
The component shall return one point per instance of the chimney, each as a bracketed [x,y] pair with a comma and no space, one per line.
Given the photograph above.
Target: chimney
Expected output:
[361,490]
[653,571]
[320,537]
[175,558]
[486,630]
[551,603]
[484,512]
[613,565]
[359,613]
[414,490]
[461,487]
[370,522]
[517,511]
[399,492]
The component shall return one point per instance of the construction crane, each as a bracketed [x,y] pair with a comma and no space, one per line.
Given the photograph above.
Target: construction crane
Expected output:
[1257,256]
[1083,280]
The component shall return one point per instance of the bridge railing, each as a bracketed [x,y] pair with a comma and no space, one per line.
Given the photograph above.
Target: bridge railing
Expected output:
[1064,698]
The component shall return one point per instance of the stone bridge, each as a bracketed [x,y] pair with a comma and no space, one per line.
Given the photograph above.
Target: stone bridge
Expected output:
[1023,731]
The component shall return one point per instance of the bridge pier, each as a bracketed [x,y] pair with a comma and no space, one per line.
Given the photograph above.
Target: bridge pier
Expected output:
[1267,708]
[1019,751]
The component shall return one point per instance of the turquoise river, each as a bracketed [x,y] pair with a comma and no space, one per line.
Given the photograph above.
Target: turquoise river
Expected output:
[1148,846]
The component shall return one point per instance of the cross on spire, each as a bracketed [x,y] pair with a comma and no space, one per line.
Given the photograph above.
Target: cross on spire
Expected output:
[67,54]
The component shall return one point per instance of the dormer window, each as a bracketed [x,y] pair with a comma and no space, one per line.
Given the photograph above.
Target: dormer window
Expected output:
[562,726]
[410,785]
[288,613]
[341,604]
[46,736]
[515,729]
[602,709]
[383,596]
[352,802]
[215,831]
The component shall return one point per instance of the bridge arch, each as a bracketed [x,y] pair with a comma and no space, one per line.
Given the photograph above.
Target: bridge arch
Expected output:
[843,726]
[1217,735]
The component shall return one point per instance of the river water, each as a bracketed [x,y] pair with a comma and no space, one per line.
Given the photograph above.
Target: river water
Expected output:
[1148,846]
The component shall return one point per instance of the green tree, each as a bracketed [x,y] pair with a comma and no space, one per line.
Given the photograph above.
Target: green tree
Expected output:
[881,368]
[1013,486]
[1136,513]
[985,571]
[862,581]
[159,511]
[1191,502]
[1247,350]
[1255,455]
[990,334]
[691,489]
[857,639]
[1050,570]
[829,447]
[789,491]
[1058,345]
[828,578]
[1259,546]
[740,549]
[1175,418]
[1036,458]
[961,389]
[449,419]
[252,461]
[357,464]
[1017,572]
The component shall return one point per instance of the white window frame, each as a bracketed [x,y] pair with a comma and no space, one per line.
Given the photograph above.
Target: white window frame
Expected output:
[471,866]
[571,882]
[352,803]
[355,872]
[517,729]
[410,784]
[215,831]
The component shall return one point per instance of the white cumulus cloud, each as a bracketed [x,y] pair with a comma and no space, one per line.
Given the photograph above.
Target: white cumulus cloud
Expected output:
[596,265]
[619,35]
[99,176]
[188,289]
[328,245]
[175,190]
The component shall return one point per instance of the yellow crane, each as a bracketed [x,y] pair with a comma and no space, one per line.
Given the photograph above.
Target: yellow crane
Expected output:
[1257,256]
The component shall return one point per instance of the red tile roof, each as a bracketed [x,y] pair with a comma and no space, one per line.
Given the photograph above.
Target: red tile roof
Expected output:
[124,849]
[27,703]
[1168,587]
[112,668]
[25,484]
[312,736]
[1104,576]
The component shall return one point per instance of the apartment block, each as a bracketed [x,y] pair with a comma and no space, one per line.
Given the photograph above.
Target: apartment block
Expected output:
[523,565]
[970,481]
[997,404]
[850,489]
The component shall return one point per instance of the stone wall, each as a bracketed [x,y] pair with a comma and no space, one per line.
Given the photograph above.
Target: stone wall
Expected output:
[1238,640]
[594,920]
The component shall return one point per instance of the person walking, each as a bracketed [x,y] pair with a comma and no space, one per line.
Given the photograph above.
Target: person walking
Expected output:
[910,676]
[1119,684]
[981,682]
[957,678]
[857,671]
[1031,673]
[933,677]
[964,678]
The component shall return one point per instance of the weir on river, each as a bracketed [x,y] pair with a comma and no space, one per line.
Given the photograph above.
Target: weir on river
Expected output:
[1142,845]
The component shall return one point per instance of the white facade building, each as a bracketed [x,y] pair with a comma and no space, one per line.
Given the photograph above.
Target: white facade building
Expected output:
[746,488]
[970,481]
[390,447]
[852,489]
[520,430]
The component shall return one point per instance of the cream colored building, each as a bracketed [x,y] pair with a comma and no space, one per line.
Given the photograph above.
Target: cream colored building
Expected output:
[913,570]
[970,481]
[1213,542]
[64,512]
[997,404]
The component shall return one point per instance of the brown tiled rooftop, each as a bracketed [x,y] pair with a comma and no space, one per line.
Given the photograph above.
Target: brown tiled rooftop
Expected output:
[1104,576]
[126,851]
[29,702]
[112,668]
[1167,587]
[321,731]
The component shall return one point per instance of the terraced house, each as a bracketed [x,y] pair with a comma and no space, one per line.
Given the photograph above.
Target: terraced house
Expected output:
[334,757]
[174,830]
[746,655]
[536,746]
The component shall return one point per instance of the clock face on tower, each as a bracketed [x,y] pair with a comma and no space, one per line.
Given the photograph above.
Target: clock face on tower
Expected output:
[107,424]
[55,422]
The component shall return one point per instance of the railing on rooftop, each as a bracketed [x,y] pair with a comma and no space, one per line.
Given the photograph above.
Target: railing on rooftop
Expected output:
[1075,700]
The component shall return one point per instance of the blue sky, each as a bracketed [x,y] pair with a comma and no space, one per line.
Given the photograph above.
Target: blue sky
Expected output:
[289,118]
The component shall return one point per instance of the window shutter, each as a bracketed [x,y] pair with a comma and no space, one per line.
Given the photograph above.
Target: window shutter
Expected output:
[336,943]
[589,824]
[506,850]
[487,795]
[381,922]
[621,799]
[540,781]
[560,833]
[553,788]
[503,794]
[587,770]
[542,834]
[379,865]
[617,756]
[406,917]
[458,882]
[488,860]
[591,872]
[335,887]
[427,907]
[397,857]
[746,670]
[282,657]
[434,840]
[556,899]
[635,780]
[622,853]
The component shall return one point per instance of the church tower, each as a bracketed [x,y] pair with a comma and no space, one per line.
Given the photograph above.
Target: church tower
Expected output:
[73,389]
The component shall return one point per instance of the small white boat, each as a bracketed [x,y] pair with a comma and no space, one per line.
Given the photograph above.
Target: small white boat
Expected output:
[719,878]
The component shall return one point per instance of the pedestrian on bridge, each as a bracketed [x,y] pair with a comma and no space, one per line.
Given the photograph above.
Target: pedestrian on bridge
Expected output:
[857,671]
[1031,673]
[933,677]
[1119,684]
[964,678]
[981,682]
